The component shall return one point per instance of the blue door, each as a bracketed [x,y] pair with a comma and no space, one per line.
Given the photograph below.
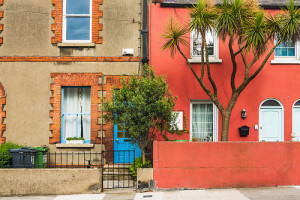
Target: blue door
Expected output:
[124,150]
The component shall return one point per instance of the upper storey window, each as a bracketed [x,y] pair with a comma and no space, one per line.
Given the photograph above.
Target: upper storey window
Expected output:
[212,42]
[197,42]
[77,20]
[286,49]
[287,53]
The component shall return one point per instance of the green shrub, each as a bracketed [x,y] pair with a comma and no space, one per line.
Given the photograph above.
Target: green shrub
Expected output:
[4,155]
[75,138]
[139,164]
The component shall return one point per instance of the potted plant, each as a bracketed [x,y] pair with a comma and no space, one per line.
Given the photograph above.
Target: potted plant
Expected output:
[75,140]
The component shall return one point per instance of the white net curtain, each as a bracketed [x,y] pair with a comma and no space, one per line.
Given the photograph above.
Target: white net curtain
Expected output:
[77,109]
[202,121]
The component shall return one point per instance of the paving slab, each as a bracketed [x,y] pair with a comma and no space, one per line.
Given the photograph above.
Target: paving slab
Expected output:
[122,194]
[268,193]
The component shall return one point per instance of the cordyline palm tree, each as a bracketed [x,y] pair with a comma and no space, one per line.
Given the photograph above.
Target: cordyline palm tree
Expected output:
[240,23]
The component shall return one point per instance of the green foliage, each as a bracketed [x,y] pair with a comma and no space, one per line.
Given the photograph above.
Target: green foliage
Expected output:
[138,163]
[4,155]
[75,138]
[174,36]
[143,108]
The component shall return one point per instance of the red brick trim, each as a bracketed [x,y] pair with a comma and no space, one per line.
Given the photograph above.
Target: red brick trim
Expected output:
[57,14]
[2,113]
[1,25]
[74,79]
[111,81]
[67,59]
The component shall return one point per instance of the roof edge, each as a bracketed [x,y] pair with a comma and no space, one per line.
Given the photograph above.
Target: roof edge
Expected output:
[184,5]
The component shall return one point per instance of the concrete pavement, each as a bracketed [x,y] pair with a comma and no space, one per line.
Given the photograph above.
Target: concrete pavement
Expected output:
[266,193]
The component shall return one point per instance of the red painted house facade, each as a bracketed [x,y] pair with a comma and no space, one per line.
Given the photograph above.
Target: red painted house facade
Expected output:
[271,100]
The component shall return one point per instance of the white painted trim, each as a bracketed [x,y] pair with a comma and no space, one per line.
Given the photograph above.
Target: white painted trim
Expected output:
[294,108]
[285,61]
[271,107]
[215,118]
[64,28]
[211,60]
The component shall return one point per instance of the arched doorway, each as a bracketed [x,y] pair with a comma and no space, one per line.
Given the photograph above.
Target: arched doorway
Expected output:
[296,120]
[271,121]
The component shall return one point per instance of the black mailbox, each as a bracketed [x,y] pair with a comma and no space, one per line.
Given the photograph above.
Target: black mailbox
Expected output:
[244,131]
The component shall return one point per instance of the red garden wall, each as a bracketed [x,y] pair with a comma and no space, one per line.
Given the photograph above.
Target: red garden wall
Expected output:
[225,164]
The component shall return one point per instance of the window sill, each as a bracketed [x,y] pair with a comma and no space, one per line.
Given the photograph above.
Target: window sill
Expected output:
[74,145]
[211,60]
[286,61]
[88,45]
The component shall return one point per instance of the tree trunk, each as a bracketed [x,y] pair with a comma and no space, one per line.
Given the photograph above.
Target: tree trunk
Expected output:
[143,155]
[225,126]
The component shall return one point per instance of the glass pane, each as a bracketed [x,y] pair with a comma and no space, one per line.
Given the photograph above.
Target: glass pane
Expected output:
[70,124]
[120,127]
[270,103]
[85,123]
[120,134]
[297,103]
[78,28]
[78,7]
[202,121]
[285,49]
[77,100]
[126,135]
[197,42]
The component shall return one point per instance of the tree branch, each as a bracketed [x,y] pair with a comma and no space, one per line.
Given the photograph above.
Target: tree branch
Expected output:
[234,65]
[212,82]
[201,82]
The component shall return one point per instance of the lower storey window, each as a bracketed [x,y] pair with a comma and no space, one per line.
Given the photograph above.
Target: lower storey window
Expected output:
[203,121]
[76,113]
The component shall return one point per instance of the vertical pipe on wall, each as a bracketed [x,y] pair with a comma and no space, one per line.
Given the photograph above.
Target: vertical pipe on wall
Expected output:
[144,32]
[140,37]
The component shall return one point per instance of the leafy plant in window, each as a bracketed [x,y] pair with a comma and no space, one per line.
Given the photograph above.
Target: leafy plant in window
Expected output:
[75,140]
[143,105]
[249,34]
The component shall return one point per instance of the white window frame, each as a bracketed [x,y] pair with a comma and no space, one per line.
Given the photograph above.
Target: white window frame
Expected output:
[65,16]
[178,121]
[215,118]
[288,59]
[63,140]
[212,58]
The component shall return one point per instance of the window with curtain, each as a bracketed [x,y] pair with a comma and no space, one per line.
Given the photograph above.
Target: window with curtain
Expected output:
[77,18]
[76,113]
[202,121]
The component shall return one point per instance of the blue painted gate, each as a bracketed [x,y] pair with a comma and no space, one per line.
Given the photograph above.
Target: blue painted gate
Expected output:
[124,150]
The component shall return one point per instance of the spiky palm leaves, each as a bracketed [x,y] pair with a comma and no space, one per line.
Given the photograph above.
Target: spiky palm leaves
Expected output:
[174,36]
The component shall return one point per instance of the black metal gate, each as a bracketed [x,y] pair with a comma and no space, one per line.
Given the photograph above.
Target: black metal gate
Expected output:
[117,175]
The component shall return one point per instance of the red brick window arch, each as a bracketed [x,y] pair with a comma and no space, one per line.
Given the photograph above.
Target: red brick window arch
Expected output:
[61,16]
[60,80]
[2,113]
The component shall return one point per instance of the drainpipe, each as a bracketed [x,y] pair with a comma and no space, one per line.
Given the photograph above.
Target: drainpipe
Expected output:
[144,32]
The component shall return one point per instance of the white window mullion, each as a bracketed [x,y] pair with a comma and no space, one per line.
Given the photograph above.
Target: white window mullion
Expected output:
[78,30]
